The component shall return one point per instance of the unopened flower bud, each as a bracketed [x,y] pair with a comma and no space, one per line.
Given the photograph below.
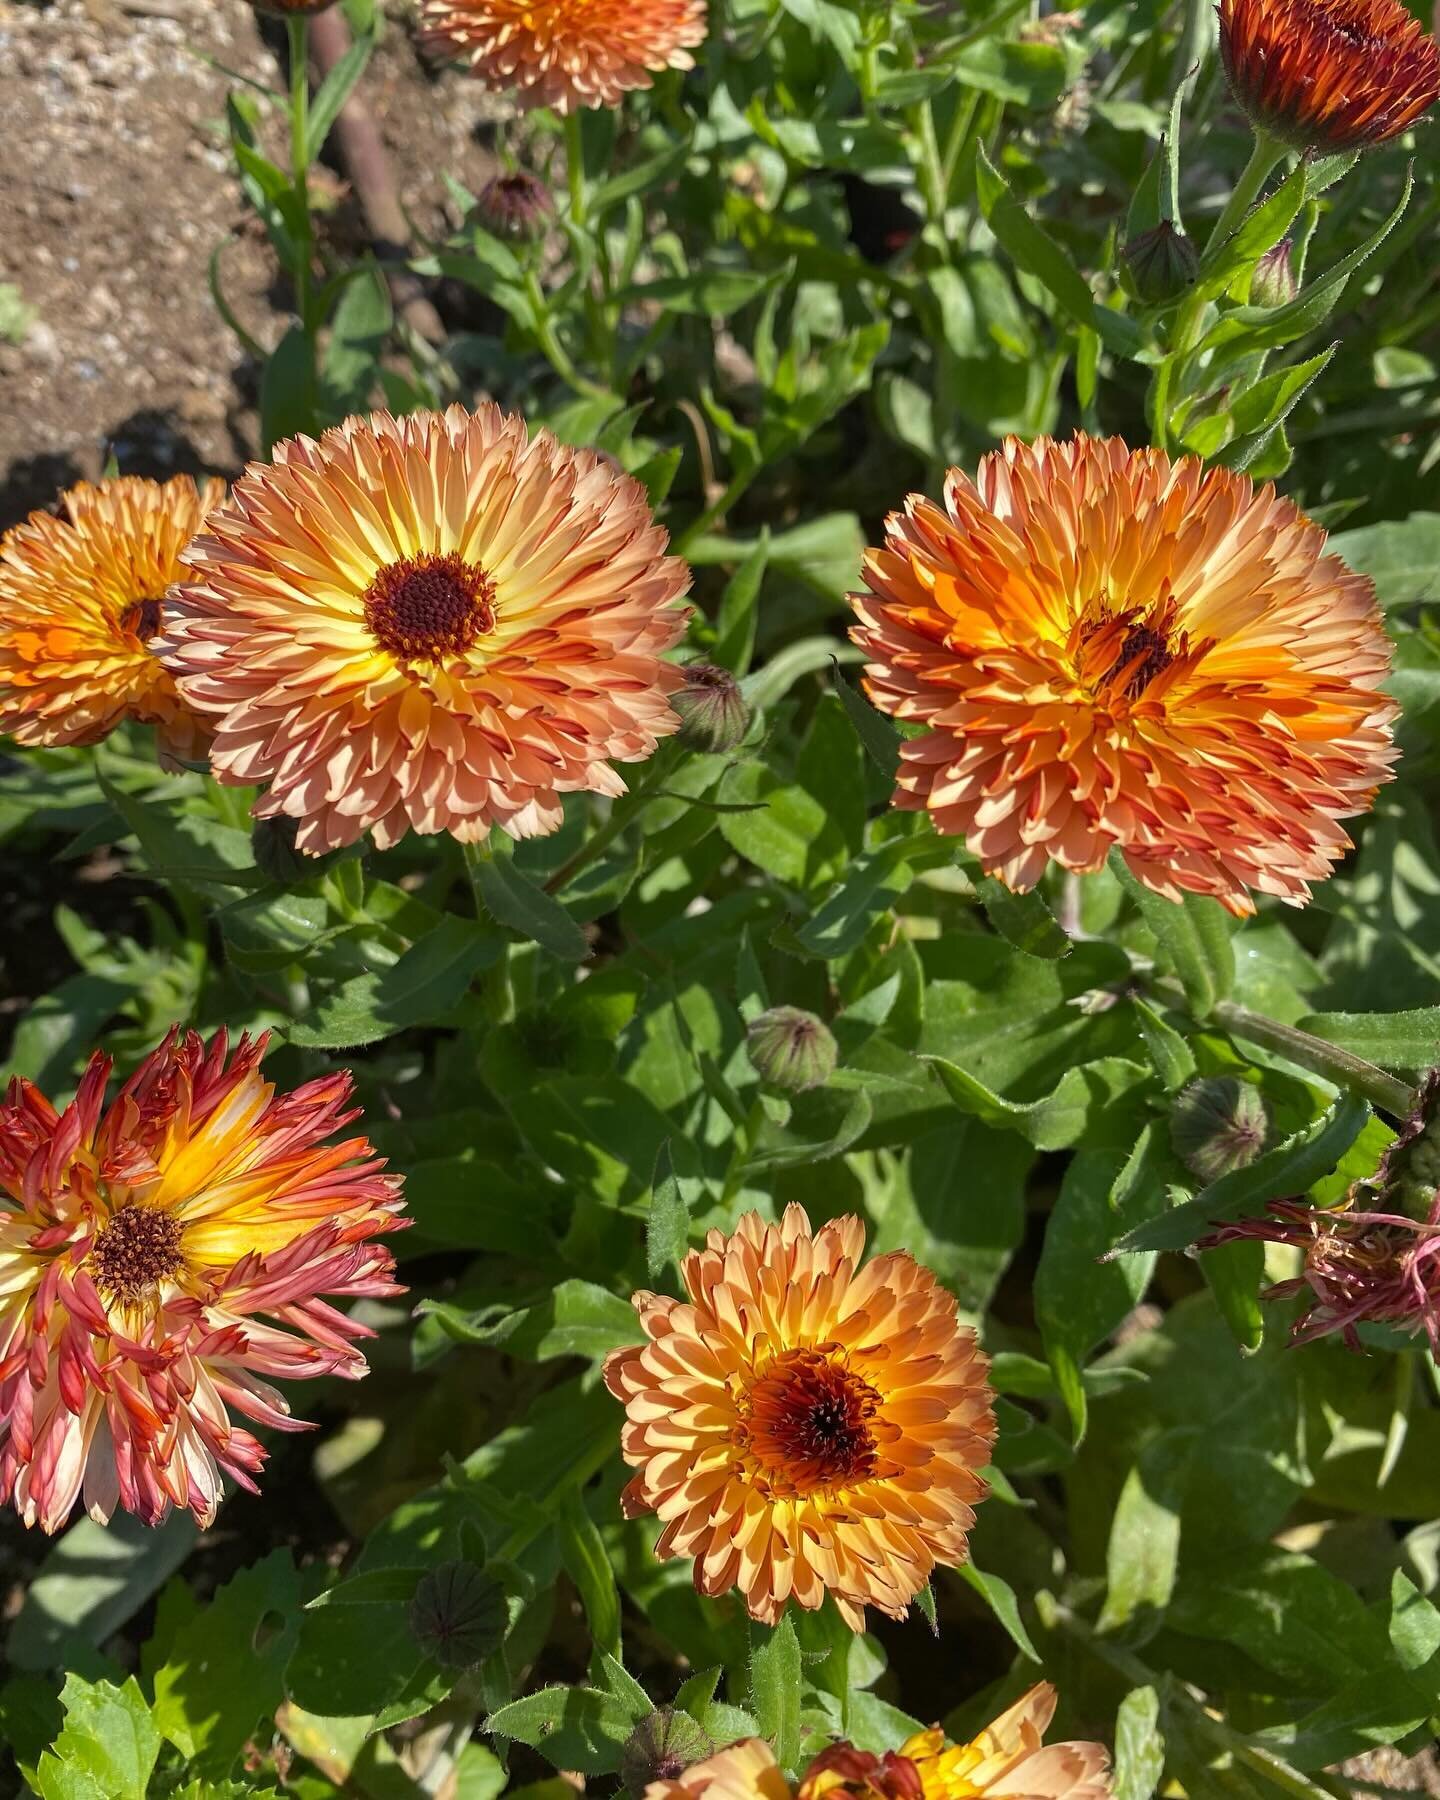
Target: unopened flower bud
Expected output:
[272,844]
[1273,282]
[791,1049]
[458,1615]
[1217,1125]
[515,205]
[661,1748]
[1409,1172]
[1161,263]
[712,706]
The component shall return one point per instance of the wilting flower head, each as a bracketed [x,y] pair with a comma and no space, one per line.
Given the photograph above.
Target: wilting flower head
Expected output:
[161,1259]
[1328,75]
[80,607]
[567,53]
[744,1771]
[1008,1759]
[860,1775]
[801,1424]
[434,624]
[515,204]
[1113,649]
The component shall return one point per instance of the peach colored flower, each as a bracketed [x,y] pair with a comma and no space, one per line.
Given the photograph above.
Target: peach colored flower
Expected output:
[161,1259]
[564,53]
[744,1771]
[433,624]
[1007,1760]
[1108,648]
[801,1424]
[80,607]
[1329,75]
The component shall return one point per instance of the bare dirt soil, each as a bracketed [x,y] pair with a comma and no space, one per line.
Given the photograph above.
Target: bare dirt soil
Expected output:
[116,185]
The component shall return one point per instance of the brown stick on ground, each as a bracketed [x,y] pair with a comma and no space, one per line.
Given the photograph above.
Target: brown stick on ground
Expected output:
[369,170]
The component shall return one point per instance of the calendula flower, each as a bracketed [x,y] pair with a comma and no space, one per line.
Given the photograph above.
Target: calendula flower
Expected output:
[80,610]
[1108,648]
[802,1424]
[1329,75]
[844,1773]
[1010,1760]
[744,1771]
[434,624]
[566,53]
[161,1260]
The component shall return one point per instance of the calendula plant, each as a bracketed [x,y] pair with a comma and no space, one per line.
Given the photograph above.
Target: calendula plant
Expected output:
[771,905]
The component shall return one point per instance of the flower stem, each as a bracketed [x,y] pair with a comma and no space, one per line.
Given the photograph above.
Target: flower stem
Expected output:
[1339,1066]
[622,812]
[575,169]
[1253,176]
[298,27]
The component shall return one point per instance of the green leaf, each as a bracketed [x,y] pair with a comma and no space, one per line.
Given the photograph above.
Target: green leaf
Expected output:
[999,1596]
[1290,1168]
[1032,249]
[582,1550]
[1260,230]
[357,1654]
[667,1231]
[576,1318]
[1144,1546]
[775,1684]
[1194,936]
[428,982]
[358,332]
[1401,556]
[1259,411]
[1405,1041]
[185,847]
[92,1581]
[1062,1117]
[740,610]
[870,887]
[1172,1056]
[577,1728]
[334,91]
[1023,920]
[224,1672]
[1139,1747]
[108,1747]
[712,293]
[60,1030]
[522,905]
[875,731]
[1235,1273]
[287,390]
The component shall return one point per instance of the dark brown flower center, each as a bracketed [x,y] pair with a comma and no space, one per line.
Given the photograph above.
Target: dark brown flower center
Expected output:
[141,619]
[1144,653]
[428,608]
[807,1423]
[135,1251]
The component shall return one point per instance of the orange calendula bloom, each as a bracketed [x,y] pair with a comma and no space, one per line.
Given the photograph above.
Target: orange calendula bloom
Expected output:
[1110,649]
[744,1771]
[844,1773]
[436,623]
[80,608]
[800,1423]
[564,53]
[1010,1761]
[161,1260]
[1329,75]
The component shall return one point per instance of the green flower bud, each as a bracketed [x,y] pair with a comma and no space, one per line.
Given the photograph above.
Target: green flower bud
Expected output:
[713,708]
[791,1049]
[1161,263]
[272,844]
[458,1615]
[661,1748]
[1273,282]
[514,205]
[1218,1124]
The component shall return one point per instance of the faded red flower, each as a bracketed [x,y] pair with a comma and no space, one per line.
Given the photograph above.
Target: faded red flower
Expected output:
[162,1259]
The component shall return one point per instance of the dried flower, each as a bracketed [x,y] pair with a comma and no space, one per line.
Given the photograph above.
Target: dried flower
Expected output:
[161,1259]
[568,53]
[712,706]
[1161,264]
[80,608]
[802,1424]
[1329,75]
[515,205]
[1218,1124]
[1008,1759]
[1113,649]
[791,1049]
[474,627]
